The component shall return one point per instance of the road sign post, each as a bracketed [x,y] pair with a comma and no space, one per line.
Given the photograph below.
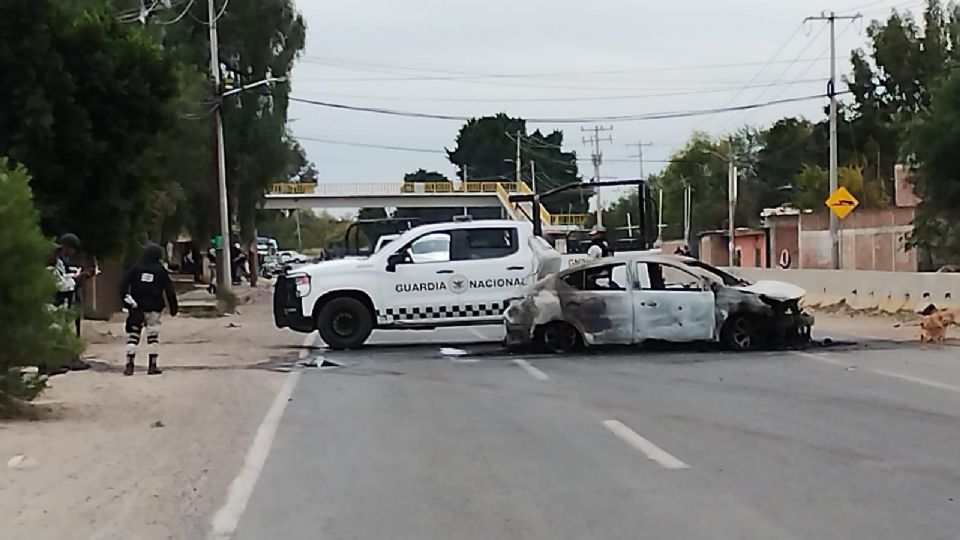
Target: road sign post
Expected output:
[841,202]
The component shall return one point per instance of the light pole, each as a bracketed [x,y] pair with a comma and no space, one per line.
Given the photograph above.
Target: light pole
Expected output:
[226,274]
[732,188]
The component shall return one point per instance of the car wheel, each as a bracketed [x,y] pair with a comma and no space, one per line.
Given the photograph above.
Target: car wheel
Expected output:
[741,333]
[561,337]
[344,323]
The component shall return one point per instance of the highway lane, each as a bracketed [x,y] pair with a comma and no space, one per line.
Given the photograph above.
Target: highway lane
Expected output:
[403,442]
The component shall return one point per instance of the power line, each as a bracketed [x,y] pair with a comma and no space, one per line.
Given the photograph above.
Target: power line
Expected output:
[568,99]
[179,17]
[370,145]
[757,75]
[576,120]
[526,75]
[481,79]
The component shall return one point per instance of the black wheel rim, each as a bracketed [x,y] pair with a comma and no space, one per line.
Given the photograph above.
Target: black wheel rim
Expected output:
[344,324]
[743,333]
[561,338]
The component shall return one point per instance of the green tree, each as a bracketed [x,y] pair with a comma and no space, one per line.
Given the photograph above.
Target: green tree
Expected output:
[84,96]
[487,149]
[427,215]
[787,146]
[31,331]
[893,82]
[932,143]
[811,188]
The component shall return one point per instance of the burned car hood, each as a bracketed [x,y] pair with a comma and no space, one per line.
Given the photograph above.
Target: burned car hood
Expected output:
[775,290]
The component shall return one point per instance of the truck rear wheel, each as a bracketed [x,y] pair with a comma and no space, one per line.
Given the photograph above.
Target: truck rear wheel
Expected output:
[344,323]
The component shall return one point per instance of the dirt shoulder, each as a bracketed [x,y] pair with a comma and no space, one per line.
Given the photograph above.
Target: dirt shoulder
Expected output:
[144,457]
[876,326]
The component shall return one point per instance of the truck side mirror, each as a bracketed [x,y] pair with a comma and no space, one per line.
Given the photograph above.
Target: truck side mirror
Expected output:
[393,261]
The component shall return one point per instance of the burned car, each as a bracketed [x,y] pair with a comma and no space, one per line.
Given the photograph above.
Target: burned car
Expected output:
[651,297]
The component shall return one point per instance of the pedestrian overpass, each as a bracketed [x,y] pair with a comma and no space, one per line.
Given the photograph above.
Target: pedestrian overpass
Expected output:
[479,194]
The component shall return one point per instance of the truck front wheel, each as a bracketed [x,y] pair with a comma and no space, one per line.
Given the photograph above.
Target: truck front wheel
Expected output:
[344,323]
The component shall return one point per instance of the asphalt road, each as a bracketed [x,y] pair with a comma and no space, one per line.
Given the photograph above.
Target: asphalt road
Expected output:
[405,443]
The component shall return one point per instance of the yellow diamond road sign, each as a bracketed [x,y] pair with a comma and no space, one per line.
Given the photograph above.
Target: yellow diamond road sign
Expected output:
[842,202]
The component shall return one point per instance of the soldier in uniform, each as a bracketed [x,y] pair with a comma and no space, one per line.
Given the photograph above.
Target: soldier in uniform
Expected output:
[143,290]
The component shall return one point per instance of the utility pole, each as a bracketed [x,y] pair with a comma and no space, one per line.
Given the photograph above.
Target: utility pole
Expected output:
[597,158]
[687,208]
[640,145]
[516,161]
[225,275]
[533,175]
[832,18]
[687,212]
[732,203]
[639,156]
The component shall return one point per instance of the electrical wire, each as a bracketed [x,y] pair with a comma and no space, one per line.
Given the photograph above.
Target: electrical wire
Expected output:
[369,145]
[222,11]
[576,120]
[179,17]
[479,79]
[567,99]
[526,75]
[134,15]
[760,72]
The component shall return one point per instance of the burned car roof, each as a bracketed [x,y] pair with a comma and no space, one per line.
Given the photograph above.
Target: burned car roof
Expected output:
[694,265]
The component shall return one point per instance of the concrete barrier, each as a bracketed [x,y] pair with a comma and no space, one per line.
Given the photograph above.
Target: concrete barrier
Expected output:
[861,289]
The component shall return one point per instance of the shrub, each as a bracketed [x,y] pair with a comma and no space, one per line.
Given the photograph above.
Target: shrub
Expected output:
[32,331]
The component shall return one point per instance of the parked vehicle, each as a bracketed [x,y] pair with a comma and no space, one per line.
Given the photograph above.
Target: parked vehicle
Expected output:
[290,257]
[631,299]
[445,274]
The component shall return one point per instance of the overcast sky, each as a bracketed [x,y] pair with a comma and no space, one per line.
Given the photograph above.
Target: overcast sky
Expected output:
[525,57]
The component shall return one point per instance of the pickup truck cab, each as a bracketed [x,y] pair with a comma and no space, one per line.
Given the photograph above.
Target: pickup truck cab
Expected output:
[445,274]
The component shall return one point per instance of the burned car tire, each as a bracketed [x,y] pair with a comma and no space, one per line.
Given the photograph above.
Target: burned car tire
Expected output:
[560,337]
[742,333]
[344,323]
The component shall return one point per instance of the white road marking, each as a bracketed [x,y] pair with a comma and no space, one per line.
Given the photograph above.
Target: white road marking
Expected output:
[652,451]
[531,370]
[226,519]
[918,380]
[883,372]
[819,358]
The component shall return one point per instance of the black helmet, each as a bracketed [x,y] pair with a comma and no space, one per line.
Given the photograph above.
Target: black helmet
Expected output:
[70,240]
[152,252]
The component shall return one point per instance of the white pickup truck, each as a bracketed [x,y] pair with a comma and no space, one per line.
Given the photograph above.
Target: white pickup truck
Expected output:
[445,274]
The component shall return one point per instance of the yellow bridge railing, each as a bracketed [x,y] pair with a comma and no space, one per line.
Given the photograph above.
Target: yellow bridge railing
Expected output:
[500,188]
[464,187]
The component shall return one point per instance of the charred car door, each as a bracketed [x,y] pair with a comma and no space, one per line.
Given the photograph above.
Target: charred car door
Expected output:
[672,304]
[597,301]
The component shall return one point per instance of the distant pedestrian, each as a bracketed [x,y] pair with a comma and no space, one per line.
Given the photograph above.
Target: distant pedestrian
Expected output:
[63,283]
[71,290]
[599,246]
[143,289]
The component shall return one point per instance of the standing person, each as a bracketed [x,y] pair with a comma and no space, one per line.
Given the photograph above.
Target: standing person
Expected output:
[212,259]
[63,282]
[70,294]
[599,246]
[143,289]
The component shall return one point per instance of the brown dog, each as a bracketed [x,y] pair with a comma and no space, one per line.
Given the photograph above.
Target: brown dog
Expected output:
[933,326]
